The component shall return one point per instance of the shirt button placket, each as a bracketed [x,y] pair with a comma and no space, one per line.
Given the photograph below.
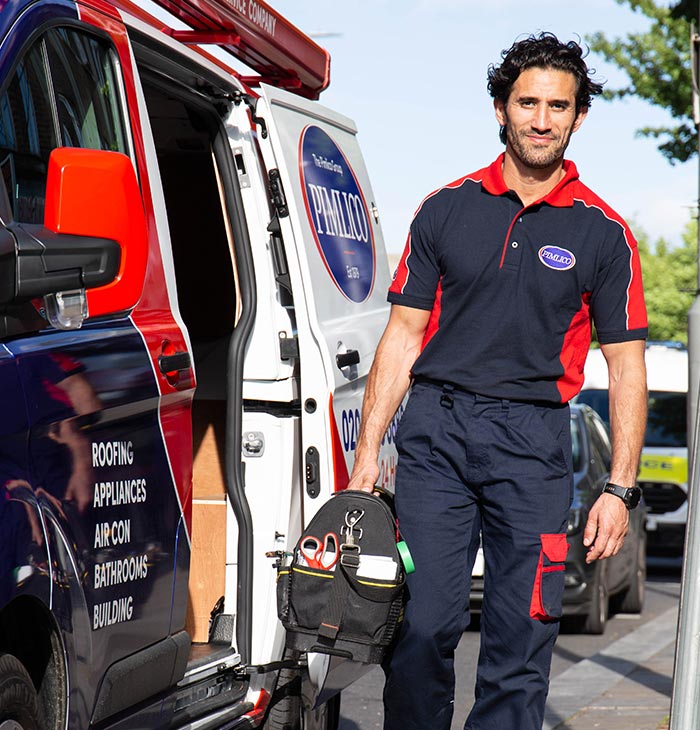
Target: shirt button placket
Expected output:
[517,242]
[515,246]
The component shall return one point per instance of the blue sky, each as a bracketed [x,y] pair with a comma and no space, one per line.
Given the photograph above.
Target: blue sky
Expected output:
[412,74]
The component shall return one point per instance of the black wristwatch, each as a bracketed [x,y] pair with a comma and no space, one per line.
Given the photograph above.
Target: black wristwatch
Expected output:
[630,496]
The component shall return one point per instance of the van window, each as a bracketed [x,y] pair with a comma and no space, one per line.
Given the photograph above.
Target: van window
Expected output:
[27,136]
[63,92]
[666,423]
[85,87]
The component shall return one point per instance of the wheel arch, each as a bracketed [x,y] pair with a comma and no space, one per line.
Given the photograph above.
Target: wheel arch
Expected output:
[29,632]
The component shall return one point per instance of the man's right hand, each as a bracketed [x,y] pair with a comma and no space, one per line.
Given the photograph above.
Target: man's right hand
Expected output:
[363,478]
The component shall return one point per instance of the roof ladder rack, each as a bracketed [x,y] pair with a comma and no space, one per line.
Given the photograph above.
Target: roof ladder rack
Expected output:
[252,32]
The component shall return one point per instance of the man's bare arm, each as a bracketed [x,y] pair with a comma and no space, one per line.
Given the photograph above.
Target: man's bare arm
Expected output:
[387,383]
[608,521]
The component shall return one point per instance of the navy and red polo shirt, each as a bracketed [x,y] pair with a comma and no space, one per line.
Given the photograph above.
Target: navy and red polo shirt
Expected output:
[512,290]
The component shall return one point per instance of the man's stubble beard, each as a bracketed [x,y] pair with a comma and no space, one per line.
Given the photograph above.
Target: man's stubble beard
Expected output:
[536,158]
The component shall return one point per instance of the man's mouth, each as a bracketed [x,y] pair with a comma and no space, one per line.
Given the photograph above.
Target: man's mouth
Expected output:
[539,138]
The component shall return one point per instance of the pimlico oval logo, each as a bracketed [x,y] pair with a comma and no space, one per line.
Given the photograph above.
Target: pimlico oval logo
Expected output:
[554,257]
[338,214]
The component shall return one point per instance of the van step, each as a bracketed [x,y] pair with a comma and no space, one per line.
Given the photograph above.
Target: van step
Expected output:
[209,658]
[212,702]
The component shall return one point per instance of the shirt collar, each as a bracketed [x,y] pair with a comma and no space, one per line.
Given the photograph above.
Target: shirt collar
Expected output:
[560,196]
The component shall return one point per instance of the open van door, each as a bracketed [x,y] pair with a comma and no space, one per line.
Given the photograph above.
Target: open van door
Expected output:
[329,226]
[326,226]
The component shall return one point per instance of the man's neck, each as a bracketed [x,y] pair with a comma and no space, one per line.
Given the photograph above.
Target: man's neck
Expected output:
[531,184]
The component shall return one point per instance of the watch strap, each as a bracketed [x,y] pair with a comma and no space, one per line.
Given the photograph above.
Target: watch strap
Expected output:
[629,495]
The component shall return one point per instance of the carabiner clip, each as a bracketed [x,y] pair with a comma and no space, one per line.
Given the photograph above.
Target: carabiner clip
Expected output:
[352,517]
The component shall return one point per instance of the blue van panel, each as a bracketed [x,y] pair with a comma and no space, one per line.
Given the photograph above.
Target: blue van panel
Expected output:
[99,470]
[15,525]
[36,14]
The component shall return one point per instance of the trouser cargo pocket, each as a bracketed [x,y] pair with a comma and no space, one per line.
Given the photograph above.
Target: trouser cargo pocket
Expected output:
[548,589]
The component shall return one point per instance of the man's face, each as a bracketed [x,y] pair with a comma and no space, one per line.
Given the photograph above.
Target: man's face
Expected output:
[540,116]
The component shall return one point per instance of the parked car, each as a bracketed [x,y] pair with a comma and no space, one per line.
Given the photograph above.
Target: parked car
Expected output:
[589,590]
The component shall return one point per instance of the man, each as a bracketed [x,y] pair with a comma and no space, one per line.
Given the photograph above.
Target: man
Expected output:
[491,323]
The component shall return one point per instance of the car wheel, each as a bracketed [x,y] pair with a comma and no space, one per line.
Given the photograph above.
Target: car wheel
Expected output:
[288,713]
[632,600]
[18,698]
[597,616]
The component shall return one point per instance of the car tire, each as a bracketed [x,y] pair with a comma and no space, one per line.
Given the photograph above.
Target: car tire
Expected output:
[288,712]
[632,599]
[18,698]
[597,617]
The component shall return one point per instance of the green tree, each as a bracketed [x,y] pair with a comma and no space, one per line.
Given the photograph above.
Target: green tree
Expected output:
[657,63]
[669,283]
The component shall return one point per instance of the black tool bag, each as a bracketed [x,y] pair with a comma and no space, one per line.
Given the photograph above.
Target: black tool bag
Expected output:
[353,607]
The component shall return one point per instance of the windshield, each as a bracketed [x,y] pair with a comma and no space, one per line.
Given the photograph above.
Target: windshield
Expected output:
[666,424]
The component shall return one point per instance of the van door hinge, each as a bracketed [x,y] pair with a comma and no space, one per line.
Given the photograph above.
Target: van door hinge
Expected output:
[289,347]
[279,199]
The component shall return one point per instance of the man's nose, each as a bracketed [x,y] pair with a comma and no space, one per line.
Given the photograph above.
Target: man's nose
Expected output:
[542,121]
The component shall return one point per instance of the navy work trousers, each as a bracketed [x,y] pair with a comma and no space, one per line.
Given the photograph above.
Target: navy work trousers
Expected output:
[469,463]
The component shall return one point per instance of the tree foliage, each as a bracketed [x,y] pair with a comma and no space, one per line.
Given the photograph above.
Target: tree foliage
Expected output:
[670,280]
[658,65]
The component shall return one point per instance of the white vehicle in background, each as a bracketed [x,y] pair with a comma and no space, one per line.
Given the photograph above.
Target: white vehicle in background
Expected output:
[663,473]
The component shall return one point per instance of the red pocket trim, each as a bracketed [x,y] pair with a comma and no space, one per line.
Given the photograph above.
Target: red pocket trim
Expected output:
[555,547]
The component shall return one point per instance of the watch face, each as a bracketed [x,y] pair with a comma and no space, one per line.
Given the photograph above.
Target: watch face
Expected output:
[633,497]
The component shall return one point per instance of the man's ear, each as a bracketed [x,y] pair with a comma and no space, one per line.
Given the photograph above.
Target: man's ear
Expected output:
[500,109]
[579,119]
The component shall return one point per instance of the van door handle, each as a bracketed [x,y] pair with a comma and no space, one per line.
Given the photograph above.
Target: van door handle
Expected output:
[171,364]
[347,358]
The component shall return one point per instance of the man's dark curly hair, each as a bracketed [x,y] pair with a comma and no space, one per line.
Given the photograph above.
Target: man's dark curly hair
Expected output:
[544,50]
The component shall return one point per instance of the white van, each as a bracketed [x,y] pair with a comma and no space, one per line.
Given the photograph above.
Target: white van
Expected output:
[192,287]
[663,473]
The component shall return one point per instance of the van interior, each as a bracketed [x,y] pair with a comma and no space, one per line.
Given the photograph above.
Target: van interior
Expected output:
[183,128]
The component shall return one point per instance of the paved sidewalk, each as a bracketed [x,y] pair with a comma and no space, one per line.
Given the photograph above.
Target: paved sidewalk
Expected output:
[627,686]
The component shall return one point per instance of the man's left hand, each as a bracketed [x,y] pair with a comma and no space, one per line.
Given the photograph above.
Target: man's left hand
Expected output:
[608,523]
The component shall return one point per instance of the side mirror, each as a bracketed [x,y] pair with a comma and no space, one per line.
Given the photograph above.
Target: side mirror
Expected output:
[95,194]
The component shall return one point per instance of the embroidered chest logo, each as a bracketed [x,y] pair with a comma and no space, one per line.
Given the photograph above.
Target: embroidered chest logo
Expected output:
[554,257]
